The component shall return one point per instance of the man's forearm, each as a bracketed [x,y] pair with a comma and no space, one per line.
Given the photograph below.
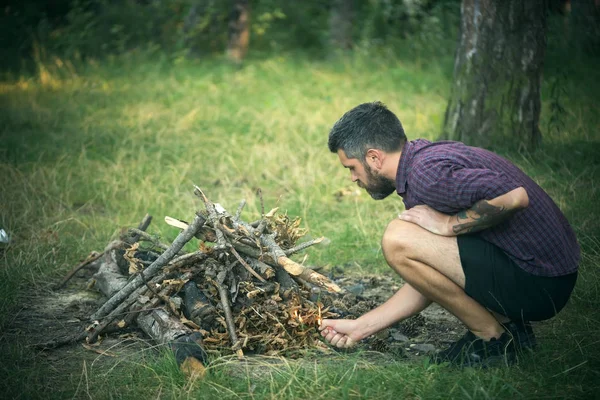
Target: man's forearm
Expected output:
[487,213]
[404,303]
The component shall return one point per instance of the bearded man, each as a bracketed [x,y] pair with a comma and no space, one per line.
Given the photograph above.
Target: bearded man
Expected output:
[478,237]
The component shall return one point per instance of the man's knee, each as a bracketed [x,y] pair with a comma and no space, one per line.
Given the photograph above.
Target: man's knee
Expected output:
[396,241]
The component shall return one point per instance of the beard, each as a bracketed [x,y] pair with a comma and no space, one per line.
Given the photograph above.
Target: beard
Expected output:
[379,187]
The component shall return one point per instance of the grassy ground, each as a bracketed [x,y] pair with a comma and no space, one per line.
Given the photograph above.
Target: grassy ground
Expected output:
[88,149]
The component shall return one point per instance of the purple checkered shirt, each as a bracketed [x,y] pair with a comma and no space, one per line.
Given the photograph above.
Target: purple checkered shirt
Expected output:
[451,177]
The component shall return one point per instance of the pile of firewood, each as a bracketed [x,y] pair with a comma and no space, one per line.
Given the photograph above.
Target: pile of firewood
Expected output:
[237,292]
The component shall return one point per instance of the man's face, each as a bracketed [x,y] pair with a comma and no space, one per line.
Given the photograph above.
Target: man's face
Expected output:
[378,187]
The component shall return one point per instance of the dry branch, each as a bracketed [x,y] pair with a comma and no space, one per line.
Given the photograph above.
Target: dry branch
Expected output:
[303,246]
[93,256]
[164,258]
[240,289]
[228,314]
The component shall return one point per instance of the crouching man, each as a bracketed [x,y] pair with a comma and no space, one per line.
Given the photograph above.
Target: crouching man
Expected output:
[478,237]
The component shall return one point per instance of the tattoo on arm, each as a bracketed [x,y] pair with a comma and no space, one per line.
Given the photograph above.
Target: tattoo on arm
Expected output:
[481,216]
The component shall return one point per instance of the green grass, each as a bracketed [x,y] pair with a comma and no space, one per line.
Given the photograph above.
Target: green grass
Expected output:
[88,149]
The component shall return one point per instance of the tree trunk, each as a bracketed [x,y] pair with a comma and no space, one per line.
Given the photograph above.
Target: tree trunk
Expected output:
[340,24]
[495,97]
[239,31]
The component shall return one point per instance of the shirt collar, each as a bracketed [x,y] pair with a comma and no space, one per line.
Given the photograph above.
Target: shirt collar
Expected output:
[403,165]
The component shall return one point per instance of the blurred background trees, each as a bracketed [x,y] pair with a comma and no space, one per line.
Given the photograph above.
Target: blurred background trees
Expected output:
[196,28]
[499,53]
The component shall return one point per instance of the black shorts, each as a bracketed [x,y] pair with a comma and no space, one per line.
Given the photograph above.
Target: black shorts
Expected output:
[495,281]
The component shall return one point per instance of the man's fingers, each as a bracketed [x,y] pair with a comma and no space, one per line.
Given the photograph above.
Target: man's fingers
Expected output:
[406,217]
[342,342]
[330,335]
[326,324]
[336,339]
[327,330]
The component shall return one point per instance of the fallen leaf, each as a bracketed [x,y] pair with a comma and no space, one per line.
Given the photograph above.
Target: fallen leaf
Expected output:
[193,368]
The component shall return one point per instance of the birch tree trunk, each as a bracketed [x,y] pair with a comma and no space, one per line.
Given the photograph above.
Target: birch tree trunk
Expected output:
[495,96]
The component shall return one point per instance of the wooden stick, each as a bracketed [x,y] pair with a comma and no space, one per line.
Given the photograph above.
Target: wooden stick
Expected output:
[245,265]
[212,218]
[263,268]
[142,227]
[263,220]
[93,256]
[152,270]
[291,266]
[185,259]
[238,213]
[145,236]
[228,314]
[303,246]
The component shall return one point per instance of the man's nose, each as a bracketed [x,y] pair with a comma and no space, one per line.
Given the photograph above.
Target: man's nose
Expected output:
[353,177]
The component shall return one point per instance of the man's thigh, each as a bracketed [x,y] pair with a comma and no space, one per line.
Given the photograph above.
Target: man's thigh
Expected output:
[438,252]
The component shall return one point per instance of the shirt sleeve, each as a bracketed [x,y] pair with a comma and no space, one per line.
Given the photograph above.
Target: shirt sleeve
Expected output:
[450,188]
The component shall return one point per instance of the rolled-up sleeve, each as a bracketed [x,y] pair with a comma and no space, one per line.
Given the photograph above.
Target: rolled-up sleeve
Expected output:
[450,187]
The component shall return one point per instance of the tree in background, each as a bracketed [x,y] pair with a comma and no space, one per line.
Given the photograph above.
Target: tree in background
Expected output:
[340,24]
[239,31]
[497,73]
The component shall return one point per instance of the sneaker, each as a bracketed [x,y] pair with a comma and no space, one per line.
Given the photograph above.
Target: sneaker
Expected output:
[472,351]
[522,333]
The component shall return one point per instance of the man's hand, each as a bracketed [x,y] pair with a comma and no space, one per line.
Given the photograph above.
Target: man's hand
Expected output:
[430,219]
[340,332]
[482,215]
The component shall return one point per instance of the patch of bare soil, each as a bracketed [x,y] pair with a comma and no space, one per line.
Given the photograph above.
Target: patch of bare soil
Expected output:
[46,315]
[423,334]
[59,314]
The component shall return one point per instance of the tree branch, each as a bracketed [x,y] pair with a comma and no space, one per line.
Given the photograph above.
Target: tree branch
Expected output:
[153,269]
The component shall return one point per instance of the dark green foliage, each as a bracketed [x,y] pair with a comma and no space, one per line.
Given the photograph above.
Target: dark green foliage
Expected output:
[101,28]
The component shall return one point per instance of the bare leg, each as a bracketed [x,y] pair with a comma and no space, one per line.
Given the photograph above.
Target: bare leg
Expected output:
[431,265]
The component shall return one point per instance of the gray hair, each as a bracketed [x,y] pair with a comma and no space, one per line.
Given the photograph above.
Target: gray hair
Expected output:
[367,126]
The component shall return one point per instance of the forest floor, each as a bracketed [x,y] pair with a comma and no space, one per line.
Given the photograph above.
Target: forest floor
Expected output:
[91,149]
[56,314]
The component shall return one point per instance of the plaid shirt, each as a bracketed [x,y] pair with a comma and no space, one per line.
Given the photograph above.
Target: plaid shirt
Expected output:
[451,177]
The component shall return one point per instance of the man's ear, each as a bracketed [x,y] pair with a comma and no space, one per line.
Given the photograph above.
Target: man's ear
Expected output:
[374,158]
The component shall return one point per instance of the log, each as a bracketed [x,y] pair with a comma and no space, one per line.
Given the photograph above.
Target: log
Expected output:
[168,330]
[153,269]
[109,279]
[161,325]
[197,307]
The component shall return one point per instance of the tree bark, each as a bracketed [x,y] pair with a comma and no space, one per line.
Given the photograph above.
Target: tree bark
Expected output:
[495,97]
[340,24]
[239,31]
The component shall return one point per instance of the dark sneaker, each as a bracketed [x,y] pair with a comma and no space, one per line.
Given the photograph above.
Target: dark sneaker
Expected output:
[472,351]
[522,334]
